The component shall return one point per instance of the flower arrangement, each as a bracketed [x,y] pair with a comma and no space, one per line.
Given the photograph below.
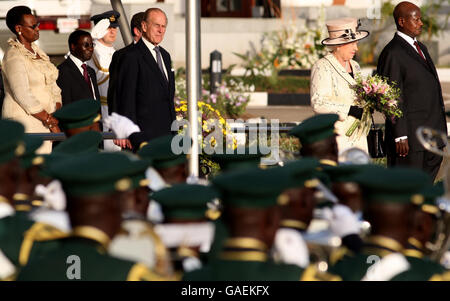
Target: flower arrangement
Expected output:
[230,99]
[375,94]
[292,47]
[210,118]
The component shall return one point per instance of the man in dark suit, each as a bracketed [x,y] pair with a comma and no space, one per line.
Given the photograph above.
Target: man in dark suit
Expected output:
[76,79]
[407,62]
[146,82]
[114,67]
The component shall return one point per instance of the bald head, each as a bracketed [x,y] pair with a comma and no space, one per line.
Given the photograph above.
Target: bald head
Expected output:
[407,17]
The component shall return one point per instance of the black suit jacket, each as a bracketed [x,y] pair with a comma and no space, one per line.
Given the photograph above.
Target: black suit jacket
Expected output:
[114,68]
[72,84]
[421,101]
[143,94]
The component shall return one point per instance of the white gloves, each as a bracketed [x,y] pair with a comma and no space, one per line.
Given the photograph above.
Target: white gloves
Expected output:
[191,264]
[291,248]
[154,212]
[342,220]
[100,29]
[53,195]
[121,125]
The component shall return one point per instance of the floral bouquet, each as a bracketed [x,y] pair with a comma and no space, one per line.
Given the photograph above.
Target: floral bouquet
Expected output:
[375,94]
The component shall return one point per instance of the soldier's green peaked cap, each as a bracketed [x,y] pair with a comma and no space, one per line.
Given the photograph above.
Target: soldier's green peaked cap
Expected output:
[185,201]
[392,185]
[97,173]
[11,137]
[29,158]
[347,172]
[251,188]
[316,128]
[233,160]
[85,142]
[159,150]
[78,114]
[300,173]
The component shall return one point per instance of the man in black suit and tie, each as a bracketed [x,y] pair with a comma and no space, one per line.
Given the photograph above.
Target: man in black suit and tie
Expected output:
[76,79]
[146,82]
[117,58]
[407,62]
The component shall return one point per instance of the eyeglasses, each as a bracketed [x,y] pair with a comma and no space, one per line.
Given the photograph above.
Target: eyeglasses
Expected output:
[87,45]
[32,26]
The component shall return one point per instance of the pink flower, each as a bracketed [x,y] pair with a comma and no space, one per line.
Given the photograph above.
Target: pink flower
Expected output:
[367,89]
[392,103]
[383,89]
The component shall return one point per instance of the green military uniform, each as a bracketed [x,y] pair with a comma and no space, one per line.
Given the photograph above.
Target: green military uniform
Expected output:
[246,258]
[187,232]
[159,151]
[138,241]
[84,176]
[18,234]
[78,114]
[387,186]
[314,129]
[424,267]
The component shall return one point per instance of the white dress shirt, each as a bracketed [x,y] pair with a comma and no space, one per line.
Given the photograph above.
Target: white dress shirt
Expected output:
[411,42]
[78,63]
[151,47]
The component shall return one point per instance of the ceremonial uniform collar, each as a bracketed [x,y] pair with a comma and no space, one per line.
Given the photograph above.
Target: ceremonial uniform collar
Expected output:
[244,249]
[92,233]
[414,249]
[382,245]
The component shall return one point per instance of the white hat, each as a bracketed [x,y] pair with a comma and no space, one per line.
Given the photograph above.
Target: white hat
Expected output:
[344,31]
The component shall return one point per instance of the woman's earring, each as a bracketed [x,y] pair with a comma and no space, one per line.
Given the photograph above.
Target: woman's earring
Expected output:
[20,33]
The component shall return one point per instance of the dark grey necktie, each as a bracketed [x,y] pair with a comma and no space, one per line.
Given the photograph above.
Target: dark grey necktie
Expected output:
[159,61]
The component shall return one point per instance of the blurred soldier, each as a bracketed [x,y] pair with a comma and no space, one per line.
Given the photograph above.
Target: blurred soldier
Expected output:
[95,185]
[186,230]
[318,138]
[76,79]
[30,164]
[80,116]
[137,240]
[104,34]
[297,203]
[252,219]
[167,169]
[232,161]
[49,190]
[344,217]
[424,226]
[18,233]
[388,193]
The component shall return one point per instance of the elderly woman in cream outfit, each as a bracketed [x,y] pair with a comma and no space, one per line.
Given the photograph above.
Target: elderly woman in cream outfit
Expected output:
[331,78]
[31,92]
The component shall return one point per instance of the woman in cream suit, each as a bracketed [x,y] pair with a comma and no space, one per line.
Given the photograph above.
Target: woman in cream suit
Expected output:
[331,78]
[31,92]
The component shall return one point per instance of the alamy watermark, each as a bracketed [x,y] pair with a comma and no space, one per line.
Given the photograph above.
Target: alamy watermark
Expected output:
[215,136]
[73,271]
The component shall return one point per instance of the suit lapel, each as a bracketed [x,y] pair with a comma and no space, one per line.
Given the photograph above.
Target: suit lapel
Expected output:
[340,69]
[148,57]
[80,76]
[429,60]
[413,53]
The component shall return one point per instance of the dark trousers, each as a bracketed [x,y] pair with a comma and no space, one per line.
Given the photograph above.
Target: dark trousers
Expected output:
[424,160]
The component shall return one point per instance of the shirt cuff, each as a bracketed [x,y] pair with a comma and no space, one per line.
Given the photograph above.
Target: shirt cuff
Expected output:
[401,138]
